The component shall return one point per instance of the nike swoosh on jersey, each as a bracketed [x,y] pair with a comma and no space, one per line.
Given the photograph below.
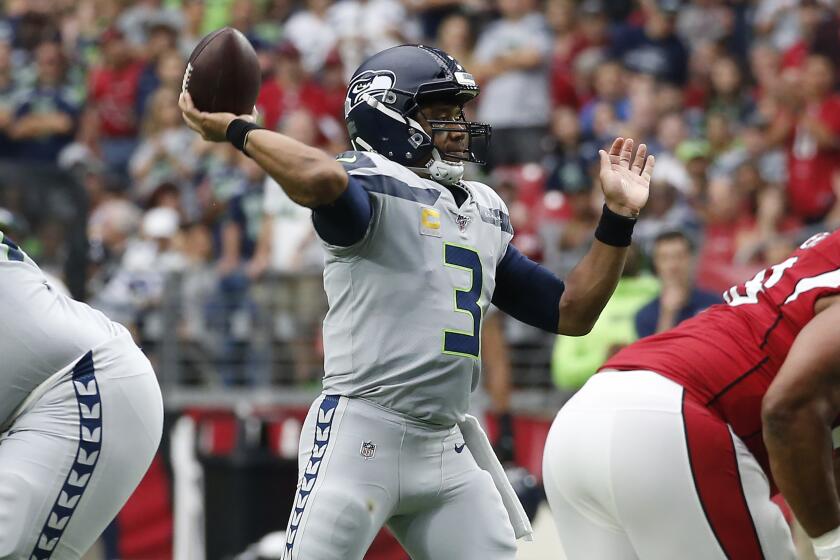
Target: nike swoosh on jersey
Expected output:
[347,159]
[459,448]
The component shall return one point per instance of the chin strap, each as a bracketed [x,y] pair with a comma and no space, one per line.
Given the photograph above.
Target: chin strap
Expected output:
[440,171]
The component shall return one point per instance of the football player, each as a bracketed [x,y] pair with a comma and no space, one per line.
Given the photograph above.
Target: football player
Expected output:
[676,447]
[81,416]
[415,256]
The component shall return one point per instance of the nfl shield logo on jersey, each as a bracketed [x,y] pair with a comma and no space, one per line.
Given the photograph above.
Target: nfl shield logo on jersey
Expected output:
[368,449]
[462,221]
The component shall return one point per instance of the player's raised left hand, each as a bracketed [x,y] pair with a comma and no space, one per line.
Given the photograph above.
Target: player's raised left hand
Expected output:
[211,126]
[626,185]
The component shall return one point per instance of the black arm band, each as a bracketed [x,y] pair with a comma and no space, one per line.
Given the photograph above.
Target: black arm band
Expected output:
[614,229]
[237,132]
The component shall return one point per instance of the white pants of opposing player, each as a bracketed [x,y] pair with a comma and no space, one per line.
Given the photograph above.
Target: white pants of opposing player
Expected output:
[633,470]
[74,454]
[362,466]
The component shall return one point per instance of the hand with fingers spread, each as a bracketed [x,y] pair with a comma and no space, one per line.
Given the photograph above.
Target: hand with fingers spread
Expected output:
[211,126]
[626,186]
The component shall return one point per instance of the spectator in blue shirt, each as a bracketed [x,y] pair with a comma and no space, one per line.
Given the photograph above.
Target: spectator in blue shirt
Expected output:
[654,48]
[673,262]
[45,119]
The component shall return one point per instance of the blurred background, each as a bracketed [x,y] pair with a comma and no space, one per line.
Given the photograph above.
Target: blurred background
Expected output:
[218,273]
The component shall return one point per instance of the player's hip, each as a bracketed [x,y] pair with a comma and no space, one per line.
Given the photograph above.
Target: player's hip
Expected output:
[631,446]
[115,367]
[362,419]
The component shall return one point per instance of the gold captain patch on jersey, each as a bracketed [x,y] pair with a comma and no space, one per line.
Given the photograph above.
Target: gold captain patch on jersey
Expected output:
[429,222]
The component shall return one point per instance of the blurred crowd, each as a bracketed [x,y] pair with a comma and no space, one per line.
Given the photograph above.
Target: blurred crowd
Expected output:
[737,99]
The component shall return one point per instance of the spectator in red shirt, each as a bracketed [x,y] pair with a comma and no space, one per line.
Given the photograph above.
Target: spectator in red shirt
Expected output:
[569,42]
[113,97]
[290,89]
[811,129]
[813,15]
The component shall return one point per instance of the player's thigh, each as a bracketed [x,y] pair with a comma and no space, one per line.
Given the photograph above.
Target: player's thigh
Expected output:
[343,496]
[576,472]
[583,538]
[69,462]
[733,490]
[468,522]
[33,467]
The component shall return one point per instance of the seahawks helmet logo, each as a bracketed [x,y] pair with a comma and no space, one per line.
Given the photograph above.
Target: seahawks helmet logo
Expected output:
[376,83]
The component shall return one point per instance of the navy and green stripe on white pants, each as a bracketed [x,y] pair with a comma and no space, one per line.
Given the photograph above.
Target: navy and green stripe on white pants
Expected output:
[76,451]
[362,466]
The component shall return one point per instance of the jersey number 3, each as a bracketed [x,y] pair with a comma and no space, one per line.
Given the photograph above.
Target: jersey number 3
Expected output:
[461,343]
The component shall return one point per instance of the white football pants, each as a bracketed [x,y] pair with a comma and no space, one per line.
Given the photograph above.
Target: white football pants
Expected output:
[76,451]
[362,466]
[633,470]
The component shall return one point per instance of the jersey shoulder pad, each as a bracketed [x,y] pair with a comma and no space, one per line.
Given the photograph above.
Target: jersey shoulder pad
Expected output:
[378,174]
[369,163]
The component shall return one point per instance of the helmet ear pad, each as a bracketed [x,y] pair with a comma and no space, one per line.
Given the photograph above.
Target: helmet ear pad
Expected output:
[373,123]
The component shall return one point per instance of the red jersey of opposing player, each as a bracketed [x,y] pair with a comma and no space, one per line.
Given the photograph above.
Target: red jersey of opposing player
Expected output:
[726,357]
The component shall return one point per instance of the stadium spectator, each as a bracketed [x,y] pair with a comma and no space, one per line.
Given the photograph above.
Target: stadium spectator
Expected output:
[654,48]
[699,21]
[289,89]
[576,359]
[727,94]
[46,114]
[162,38]
[565,163]
[113,99]
[141,21]
[568,42]
[671,130]
[311,33]
[610,89]
[160,157]
[568,239]
[673,262]
[511,63]
[365,27]
[810,127]
[811,16]
[668,210]
[191,32]
[726,218]
[456,37]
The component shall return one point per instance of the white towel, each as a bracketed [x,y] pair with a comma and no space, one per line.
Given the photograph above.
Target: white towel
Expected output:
[485,457]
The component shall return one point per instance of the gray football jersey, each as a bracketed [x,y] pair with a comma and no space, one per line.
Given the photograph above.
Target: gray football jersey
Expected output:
[406,302]
[42,330]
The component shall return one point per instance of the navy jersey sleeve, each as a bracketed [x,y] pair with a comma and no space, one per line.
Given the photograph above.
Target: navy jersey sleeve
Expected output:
[344,221]
[527,291]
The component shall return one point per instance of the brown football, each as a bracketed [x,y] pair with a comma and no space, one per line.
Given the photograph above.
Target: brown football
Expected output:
[223,73]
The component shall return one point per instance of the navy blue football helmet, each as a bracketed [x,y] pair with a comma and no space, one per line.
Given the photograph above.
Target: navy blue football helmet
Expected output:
[384,96]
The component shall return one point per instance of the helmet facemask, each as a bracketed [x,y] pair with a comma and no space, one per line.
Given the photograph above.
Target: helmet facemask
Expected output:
[447,166]
[478,138]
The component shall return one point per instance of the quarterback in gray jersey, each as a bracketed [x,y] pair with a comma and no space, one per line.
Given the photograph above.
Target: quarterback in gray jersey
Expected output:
[81,416]
[416,255]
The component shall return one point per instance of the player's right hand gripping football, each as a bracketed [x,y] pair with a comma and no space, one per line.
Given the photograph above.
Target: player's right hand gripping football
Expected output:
[626,186]
[211,126]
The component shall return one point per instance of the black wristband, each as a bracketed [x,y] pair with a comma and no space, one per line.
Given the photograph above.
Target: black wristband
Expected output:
[237,132]
[614,229]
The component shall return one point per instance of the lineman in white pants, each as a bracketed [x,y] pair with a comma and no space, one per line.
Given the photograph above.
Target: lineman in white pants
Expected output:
[81,415]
